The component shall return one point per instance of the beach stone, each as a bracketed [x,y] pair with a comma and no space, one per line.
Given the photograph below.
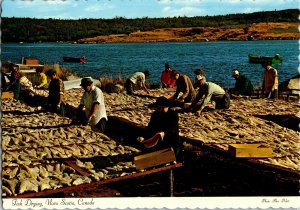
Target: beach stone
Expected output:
[114,88]
[72,77]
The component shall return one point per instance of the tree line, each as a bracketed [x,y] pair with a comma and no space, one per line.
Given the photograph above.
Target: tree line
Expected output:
[52,30]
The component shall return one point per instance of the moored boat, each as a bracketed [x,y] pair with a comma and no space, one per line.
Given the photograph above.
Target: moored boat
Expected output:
[265,59]
[74,59]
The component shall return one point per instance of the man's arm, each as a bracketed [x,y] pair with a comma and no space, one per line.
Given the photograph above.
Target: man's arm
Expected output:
[145,88]
[93,111]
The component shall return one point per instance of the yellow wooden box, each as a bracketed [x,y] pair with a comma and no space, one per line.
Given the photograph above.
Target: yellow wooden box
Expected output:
[7,94]
[250,151]
[154,159]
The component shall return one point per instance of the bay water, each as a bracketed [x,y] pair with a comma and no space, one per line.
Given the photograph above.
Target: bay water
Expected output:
[217,59]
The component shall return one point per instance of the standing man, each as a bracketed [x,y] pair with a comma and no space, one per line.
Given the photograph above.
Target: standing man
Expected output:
[139,79]
[163,129]
[270,82]
[210,91]
[56,96]
[92,105]
[167,79]
[243,85]
[14,81]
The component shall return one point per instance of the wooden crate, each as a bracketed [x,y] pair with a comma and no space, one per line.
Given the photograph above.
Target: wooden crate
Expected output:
[154,159]
[7,94]
[249,151]
[31,62]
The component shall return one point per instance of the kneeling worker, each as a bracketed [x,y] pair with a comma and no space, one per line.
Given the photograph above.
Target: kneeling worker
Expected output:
[163,129]
[137,79]
[210,91]
[92,105]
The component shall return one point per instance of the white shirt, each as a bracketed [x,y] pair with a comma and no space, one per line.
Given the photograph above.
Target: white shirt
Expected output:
[88,99]
[138,77]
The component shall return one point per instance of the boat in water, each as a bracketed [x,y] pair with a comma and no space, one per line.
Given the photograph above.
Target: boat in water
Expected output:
[74,59]
[265,59]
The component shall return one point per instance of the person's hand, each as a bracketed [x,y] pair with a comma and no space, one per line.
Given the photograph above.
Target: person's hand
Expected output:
[90,119]
[198,113]
[180,99]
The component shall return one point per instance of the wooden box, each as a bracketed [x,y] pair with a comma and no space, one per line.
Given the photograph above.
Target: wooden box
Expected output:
[7,94]
[154,159]
[249,151]
[31,62]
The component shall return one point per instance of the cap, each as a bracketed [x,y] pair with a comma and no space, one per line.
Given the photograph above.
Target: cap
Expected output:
[167,66]
[235,72]
[86,81]
[51,72]
[162,101]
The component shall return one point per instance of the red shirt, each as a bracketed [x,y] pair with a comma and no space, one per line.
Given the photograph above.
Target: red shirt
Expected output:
[167,78]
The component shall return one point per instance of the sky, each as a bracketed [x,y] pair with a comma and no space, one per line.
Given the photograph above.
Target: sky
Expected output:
[79,9]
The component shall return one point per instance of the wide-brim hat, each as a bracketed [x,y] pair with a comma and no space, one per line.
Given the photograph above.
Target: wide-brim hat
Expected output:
[162,101]
[86,81]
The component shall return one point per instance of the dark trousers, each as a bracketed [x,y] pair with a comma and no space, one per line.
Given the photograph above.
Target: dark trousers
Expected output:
[129,87]
[224,102]
[81,119]
[101,125]
[272,94]
[16,88]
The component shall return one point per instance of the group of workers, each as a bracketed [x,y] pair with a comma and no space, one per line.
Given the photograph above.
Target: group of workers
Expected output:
[163,128]
[193,97]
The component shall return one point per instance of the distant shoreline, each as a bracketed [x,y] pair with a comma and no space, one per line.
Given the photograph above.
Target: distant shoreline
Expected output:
[257,31]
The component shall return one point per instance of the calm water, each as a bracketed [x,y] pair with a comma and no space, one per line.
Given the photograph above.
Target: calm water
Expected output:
[216,58]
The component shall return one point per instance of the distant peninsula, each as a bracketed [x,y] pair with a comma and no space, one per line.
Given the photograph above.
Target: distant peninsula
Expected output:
[256,31]
[266,25]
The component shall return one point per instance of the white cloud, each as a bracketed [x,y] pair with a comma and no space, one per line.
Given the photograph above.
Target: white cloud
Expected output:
[256,2]
[181,2]
[94,8]
[184,11]
[251,9]
[39,3]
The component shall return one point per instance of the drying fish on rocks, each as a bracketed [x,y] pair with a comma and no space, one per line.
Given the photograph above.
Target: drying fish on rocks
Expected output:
[31,150]
[53,137]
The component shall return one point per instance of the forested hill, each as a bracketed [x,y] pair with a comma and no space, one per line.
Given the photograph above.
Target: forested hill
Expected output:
[52,30]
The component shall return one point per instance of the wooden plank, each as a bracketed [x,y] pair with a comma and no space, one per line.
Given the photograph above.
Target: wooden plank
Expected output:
[77,168]
[154,159]
[98,183]
[7,94]
[249,151]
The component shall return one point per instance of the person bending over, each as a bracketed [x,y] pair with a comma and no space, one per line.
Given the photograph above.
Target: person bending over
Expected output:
[209,91]
[92,107]
[163,129]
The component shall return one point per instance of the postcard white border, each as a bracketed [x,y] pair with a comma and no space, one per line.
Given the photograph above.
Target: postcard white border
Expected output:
[150,203]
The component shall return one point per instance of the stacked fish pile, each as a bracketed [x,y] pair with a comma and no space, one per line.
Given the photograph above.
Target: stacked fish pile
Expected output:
[35,145]
[33,142]
[242,123]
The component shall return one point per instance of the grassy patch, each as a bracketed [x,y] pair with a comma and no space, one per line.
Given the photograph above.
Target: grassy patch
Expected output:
[284,30]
